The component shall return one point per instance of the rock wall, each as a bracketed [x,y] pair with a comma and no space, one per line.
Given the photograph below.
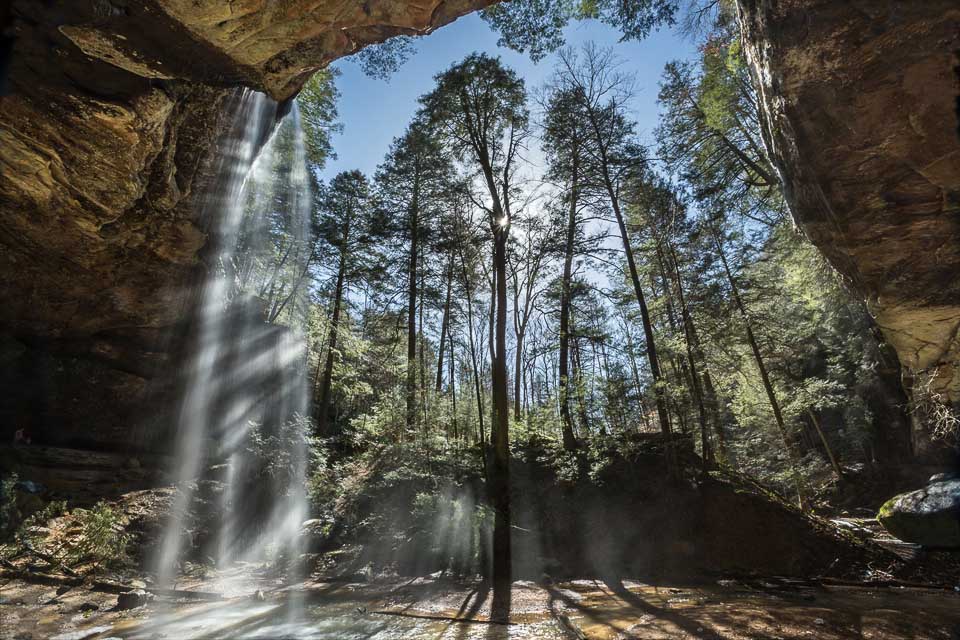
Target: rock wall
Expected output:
[110,111]
[859,100]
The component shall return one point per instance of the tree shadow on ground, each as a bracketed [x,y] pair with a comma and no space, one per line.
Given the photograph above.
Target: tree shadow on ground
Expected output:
[691,627]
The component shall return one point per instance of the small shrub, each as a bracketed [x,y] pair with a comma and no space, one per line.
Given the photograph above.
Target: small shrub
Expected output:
[102,539]
[32,532]
[934,409]
[9,515]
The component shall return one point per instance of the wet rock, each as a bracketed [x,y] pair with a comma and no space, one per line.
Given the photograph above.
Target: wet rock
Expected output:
[928,516]
[131,599]
[314,534]
[946,475]
[83,634]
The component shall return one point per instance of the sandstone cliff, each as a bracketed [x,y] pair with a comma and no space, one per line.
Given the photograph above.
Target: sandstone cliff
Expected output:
[859,103]
[105,132]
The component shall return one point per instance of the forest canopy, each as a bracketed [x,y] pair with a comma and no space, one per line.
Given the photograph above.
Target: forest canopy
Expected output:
[475,299]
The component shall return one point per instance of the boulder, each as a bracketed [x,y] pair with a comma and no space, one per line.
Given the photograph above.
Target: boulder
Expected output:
[928,516]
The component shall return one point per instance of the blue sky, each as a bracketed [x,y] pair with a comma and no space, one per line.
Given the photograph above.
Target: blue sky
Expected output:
[373,112]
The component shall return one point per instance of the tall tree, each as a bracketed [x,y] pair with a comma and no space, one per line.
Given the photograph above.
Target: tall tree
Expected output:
[565,139]
[761,367]
[344,226]
[526,270]
[411,182]
[615,158]
[317,102]
[710,129]
[479,106]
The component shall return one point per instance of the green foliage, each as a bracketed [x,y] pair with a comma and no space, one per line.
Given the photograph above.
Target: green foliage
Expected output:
[536,26]
[31,530]
[273,452]
[101,538]
[710,129]
[93,536]
[9,514]
[384,59]
[475,102]
[317,101]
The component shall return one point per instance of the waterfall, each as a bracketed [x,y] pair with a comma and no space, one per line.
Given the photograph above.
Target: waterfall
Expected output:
[241,443]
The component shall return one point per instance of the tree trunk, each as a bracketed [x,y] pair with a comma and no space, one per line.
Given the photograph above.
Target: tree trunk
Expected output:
[636,375]
[517,368]
[662,413]
[644,316]
[694,374]
[715,418]
[473,357]
[826,445]
[500,472]
[331,347]
[444,323]
[453,369]
[578,381]
[422,377]
[411,381]
[569,440]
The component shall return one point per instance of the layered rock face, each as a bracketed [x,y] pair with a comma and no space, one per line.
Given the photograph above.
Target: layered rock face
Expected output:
[859,100]
[110,112]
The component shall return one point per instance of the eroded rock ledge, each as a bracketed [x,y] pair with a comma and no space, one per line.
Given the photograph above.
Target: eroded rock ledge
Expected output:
[111,113]
[858,99]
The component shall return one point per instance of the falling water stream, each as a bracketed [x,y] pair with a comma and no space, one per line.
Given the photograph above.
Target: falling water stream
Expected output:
[244,389]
